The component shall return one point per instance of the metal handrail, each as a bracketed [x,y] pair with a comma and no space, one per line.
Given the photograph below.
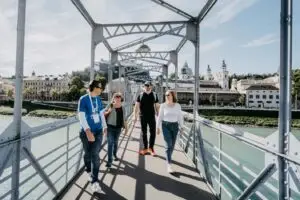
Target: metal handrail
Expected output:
[220,127]
[245,187]
[42,130]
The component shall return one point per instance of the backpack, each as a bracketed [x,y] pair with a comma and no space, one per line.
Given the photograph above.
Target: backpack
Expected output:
[142,94]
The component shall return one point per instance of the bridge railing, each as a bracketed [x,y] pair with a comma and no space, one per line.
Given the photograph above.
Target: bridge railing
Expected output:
[237,164]
[46,157]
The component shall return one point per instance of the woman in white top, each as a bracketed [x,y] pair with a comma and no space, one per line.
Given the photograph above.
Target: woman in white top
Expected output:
[170,120]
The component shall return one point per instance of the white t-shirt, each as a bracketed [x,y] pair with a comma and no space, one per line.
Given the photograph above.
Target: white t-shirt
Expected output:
[170,114]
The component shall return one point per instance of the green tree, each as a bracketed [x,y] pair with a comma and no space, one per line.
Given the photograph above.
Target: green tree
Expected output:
[54,93]
[64,95]
[77,82]
[27,92]
[42,94]
[102,80]
[296,85]
[74,93]
[212,98]
[242,99]
[201,77]
[172,76]
[10,93]
[83,91]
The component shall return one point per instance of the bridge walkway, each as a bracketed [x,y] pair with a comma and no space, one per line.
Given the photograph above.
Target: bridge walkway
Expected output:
[142,177]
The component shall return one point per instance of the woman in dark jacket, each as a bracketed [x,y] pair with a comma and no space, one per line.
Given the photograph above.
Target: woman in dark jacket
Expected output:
[115,119]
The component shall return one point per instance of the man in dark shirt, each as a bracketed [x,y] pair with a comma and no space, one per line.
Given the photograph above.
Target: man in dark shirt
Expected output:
[147,105]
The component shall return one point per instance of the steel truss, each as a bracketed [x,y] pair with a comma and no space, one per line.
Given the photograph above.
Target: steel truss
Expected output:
[189,31]
[153,68]
[160,55]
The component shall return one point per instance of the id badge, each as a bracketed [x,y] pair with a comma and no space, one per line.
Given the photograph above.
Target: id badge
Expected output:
[96,118]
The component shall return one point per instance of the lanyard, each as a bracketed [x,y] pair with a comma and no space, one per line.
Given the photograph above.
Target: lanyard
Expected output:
[93,108]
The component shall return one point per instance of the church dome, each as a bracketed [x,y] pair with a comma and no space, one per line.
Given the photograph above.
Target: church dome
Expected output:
[143,48]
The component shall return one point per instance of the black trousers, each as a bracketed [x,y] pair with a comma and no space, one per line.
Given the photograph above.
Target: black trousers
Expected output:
[150,121]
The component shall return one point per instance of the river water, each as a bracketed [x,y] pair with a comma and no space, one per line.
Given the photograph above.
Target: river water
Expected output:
[243,158]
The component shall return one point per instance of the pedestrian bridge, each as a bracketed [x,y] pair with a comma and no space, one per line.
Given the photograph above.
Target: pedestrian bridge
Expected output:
[42,158]
[211,161]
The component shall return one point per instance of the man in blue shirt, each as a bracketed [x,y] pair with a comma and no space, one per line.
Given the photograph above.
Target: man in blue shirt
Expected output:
[93,127]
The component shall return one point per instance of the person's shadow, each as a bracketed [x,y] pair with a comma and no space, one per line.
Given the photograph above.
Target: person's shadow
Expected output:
[163,183]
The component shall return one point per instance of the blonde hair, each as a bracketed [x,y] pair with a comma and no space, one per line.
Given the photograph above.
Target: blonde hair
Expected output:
[117,94]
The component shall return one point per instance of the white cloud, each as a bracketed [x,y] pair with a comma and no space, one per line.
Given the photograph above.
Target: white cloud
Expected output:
[226,10]
[57,37]
[210,46]
[264,40]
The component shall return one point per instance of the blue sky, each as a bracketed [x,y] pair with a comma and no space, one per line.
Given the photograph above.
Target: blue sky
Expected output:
[243,32]
[250,42]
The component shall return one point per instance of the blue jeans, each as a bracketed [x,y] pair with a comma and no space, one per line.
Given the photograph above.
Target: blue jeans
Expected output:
[170,131]
[91,153]
[113,134]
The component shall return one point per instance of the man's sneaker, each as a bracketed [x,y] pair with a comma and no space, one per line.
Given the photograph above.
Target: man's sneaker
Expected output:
[96,187]
[143,151]
[116,158]
[90,177]
[169,168]
[108,165]
[152,152]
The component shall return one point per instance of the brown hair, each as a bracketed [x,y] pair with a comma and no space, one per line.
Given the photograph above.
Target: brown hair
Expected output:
[173,93]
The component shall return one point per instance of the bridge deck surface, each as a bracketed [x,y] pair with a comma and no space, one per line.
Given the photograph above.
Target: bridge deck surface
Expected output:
[142,177]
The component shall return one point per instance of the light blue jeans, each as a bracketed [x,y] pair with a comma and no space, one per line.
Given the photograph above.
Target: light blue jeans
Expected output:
[170,131]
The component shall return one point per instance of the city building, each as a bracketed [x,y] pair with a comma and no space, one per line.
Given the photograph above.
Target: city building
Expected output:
[222,77]
[262,96]
[242,85]
[214,87]
[46,87]
[3,95]
[6,89]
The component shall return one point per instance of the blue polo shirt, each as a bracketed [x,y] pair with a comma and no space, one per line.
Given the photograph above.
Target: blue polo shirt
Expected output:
[84,105]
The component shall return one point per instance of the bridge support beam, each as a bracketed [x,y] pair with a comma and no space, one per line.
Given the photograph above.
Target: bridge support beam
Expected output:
[17,120]
[285,96]
[113,62]
[93,49]
[174,60]
[259,180]
[193,36]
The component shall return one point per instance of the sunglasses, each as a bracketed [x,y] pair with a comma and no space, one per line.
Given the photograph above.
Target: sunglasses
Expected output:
[147,85]
[117,96]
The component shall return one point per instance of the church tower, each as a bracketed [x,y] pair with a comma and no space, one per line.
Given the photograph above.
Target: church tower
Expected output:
[223,76]
[224,66]
[186,72]
[224,82]
[208,74]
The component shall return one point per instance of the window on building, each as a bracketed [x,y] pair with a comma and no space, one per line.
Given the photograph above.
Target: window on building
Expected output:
[270,96]
[277,96]
[250,96]
[264,96]
[269,101]
[251,102]
[277,102]
[257,96]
